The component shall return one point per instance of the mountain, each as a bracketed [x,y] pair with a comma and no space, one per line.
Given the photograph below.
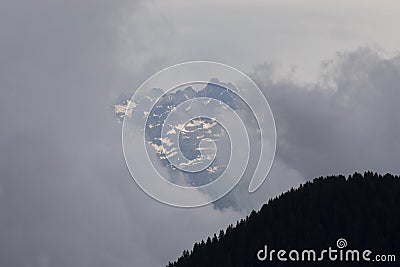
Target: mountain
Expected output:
[180,155]
[354,215]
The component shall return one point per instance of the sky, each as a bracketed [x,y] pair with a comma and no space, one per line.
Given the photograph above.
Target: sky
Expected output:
[330,72]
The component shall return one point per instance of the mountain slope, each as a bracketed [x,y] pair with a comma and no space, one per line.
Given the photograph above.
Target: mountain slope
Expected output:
[364,210]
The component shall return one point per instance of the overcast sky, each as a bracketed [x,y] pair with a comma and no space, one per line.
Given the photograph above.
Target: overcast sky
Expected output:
[331,73]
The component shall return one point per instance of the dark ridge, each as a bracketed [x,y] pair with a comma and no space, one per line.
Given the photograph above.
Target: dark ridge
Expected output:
[363,209]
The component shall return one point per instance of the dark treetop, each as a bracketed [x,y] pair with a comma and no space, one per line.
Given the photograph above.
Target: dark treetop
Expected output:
[363,209]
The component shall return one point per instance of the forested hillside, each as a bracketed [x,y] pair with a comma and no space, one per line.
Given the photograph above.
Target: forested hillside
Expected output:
[362,209]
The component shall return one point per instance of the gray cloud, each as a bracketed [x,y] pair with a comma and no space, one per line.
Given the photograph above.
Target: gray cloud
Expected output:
[245,33]
[348,121]
[66,197]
